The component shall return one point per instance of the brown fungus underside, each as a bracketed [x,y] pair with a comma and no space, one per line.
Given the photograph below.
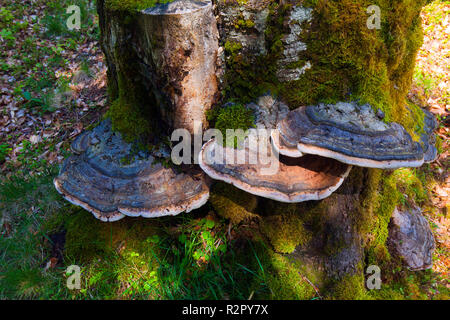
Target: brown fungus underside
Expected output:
[283,179]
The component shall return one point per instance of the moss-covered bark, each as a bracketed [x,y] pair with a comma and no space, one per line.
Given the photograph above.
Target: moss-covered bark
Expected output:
[329,242]
[343,58]
[132,110]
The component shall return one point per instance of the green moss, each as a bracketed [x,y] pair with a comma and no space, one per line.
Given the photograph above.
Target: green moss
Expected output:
[87,237]
[131,113]
[402,284]
[349,61]
[242,23]
[350,287]
[132,5]
[241,2]
[386,293]
[128,119]
[82,239]
[439,144]
[234,116]
[285,280]
[118,259]
[246,24]
[232,47]
[232,203]
[285,231]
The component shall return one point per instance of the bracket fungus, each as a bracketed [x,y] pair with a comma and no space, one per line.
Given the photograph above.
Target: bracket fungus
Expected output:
[292,180]
[348,133]
[282,147]
[111,179]
[256,168]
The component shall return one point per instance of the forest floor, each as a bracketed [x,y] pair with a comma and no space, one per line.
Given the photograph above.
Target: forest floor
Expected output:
[431,90]
[53,86]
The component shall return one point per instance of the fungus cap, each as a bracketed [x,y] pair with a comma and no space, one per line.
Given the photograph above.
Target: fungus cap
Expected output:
[351,134]
[282,147]
[111,179]
[296,179]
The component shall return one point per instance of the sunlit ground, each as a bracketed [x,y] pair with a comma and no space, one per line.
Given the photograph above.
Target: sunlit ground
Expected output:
[52,86]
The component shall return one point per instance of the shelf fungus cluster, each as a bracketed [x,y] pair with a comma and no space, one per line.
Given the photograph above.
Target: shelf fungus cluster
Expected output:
[313,149]
[112,179]
[255,167]
[169,57]
[282,179]
[348,133]
[307,157]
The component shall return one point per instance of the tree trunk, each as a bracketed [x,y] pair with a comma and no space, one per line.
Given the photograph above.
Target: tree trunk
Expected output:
[304,52]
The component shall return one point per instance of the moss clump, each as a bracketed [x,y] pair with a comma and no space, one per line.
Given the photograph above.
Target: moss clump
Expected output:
[350,287]
[236,116]
[232,203]
[132,5]
[285,279]
[278,276]
[131,112]
[128,119]
[87,237]
[233,116]
[244,24]
[232,47]
[418,118]
[285,231]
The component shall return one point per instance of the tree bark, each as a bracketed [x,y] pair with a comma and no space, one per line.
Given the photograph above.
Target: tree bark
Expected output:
[304,52]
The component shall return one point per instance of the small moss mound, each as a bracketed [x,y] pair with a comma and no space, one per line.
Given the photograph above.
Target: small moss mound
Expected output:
[232,203]
[283,278]
[286,282]
[285,231]
[129,120]
[232,116]
[235,116]
[351,287]
[87,237]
